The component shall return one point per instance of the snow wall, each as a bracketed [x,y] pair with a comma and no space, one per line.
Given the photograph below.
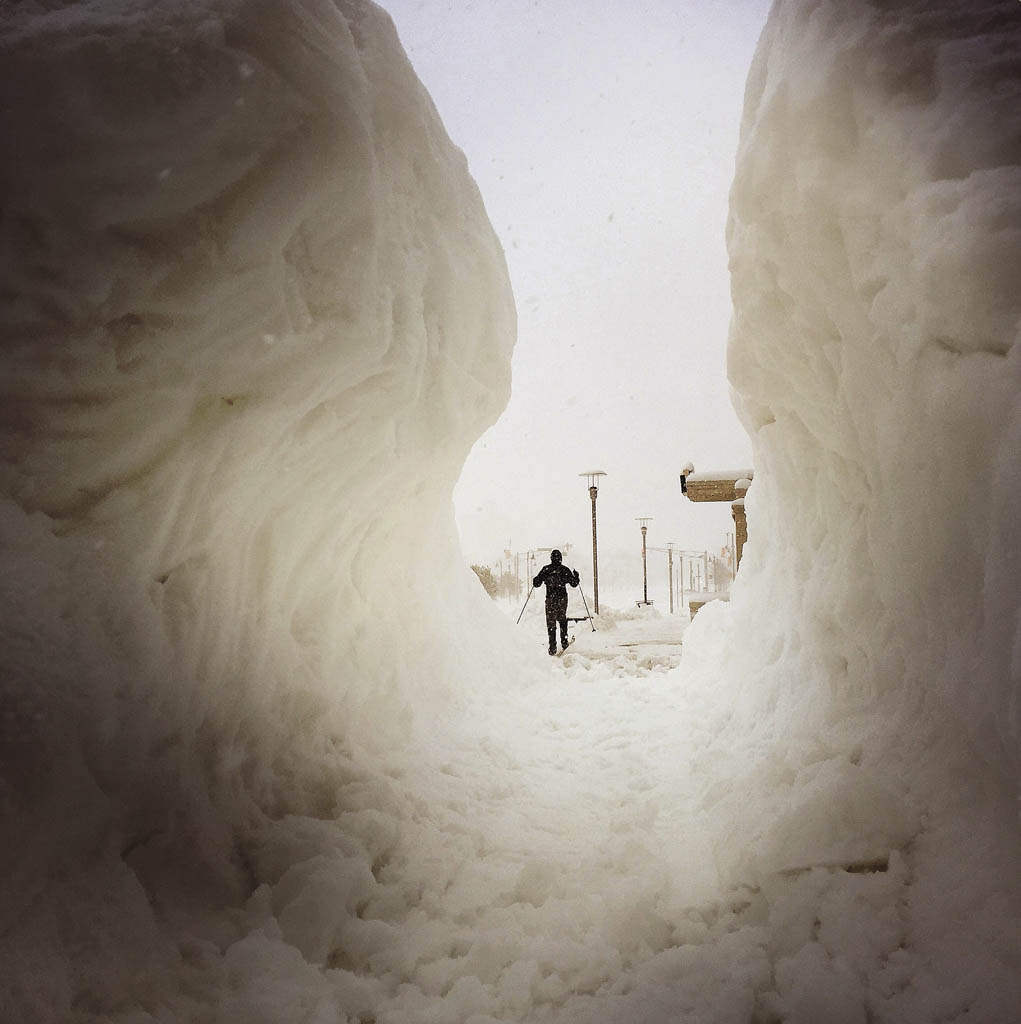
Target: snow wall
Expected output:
[871,654]
[874,352]
[253,318]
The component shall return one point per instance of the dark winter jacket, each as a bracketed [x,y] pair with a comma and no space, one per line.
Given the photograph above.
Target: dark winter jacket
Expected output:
[557,578]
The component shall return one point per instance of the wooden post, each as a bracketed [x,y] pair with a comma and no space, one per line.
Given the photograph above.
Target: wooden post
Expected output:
[740,519]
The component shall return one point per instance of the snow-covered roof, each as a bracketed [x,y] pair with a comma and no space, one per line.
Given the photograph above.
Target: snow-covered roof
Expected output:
[721,474]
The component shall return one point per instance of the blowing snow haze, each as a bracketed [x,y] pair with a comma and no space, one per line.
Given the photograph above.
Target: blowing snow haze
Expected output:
[267,750]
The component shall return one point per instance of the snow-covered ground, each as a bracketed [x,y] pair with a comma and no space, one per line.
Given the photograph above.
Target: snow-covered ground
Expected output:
[268,751]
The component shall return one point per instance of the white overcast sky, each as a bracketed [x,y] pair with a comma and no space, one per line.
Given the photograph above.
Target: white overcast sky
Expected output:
[602,134]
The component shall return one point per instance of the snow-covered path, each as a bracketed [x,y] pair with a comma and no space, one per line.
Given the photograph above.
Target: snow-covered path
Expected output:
[553,850]
[588,750]
[549,854]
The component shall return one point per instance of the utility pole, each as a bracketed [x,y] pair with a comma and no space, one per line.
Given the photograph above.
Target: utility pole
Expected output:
[644,520]
[670,571]
[593,490]
[669,549]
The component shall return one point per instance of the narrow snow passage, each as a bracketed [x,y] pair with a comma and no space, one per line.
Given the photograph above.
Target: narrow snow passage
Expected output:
[544,851]
[550,854]
[574,768]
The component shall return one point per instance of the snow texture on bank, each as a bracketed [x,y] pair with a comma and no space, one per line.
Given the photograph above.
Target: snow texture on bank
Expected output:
[872,644]
[253,318]
[270,754]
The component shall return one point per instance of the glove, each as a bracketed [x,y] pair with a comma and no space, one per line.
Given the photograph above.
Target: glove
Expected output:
[577,578]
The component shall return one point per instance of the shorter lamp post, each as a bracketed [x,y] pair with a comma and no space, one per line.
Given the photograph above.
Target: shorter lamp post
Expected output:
[593,489]
[644,520]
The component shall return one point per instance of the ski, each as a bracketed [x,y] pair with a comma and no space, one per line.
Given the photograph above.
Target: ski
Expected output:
[563,649]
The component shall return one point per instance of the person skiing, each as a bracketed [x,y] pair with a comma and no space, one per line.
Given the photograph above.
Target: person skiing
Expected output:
[556,576]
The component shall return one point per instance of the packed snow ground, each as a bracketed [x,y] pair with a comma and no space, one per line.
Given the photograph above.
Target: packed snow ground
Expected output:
[268,751]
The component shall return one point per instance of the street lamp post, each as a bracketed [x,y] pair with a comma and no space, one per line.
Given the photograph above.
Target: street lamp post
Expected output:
[593,490]
[644,520]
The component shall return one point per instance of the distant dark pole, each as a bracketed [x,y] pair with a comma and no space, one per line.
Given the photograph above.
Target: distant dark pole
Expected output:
[645,573]
[592,492]
[644,520]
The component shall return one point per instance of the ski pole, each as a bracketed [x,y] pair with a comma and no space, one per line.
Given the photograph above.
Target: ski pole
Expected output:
[523,607]
[587,612]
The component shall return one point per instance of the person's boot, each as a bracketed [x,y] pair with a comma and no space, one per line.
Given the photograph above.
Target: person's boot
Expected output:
[553,642]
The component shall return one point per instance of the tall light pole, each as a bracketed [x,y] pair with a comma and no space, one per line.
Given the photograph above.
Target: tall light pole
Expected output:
[593,490]
[644,520]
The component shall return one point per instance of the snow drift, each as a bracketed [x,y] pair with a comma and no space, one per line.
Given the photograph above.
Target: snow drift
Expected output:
[253,318]
[875,225]
[872,642]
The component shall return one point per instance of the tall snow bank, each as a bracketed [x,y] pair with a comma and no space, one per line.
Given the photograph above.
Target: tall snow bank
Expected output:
[253,316]
[872,648]
[876,221]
